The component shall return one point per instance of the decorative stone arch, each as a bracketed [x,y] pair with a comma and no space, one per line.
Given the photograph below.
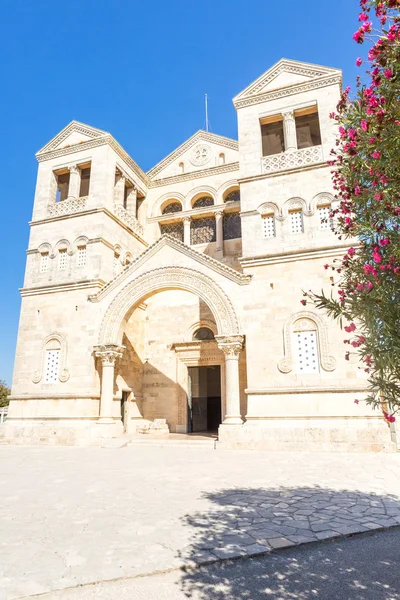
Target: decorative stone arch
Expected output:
[168,278]
[328,363]
[269,208]
[204,190]
[55,339]
[322,199]
[296,203]
[79,243]
[225,188]
[166,199]
[63,245]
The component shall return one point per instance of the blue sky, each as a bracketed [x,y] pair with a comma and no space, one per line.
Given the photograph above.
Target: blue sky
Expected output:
[139,70]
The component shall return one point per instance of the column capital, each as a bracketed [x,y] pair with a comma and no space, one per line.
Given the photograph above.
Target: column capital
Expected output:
[219,214]
[231,345]
[108,353]
[288,115]
[73,169]
[187,219]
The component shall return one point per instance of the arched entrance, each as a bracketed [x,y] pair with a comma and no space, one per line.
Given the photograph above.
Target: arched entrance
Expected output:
[136,291]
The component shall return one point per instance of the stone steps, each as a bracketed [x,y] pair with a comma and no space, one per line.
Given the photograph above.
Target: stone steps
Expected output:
[168,443]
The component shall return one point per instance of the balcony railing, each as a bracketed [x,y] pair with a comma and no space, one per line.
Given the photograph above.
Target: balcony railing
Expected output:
[292,160]
[67,207]
[128,219]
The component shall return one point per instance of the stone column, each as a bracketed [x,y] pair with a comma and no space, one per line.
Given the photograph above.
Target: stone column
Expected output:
[186,231]
[74,182]
[289,130]
[108,355]
[231,346]
[219,232]
[119,191]
[131,201]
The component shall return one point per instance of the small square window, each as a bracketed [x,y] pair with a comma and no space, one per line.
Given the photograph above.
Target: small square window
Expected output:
[44,262]
[296,221]
[81,260]
[62,259]
[307,352]
[325,222]
[268,223]
[52,365]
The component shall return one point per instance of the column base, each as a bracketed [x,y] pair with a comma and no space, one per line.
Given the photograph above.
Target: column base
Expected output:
[105,421]
[232,421]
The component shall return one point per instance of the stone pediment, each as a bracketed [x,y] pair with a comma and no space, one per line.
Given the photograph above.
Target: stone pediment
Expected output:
[169,252]
[282,76]
[72,135]
[203,150]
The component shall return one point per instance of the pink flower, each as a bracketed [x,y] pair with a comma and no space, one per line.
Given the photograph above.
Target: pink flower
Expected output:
[389,418]
[347,356]
[356,402]
[350,328]
[357,190]
[359,36]
[364,125]
[384,242]
[388,73]
[351,251]
[376,256]
[363,17]
[376,154]
[304,302]
[358,62]
[378,196]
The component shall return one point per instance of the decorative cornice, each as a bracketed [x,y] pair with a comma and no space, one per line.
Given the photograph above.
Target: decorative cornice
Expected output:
[195,175]
[302,169]
[204,136]
[288,91]
[285,65]
[195,212]
[167,240]
[73,127]
[282,257]
[299,389]
[61,287]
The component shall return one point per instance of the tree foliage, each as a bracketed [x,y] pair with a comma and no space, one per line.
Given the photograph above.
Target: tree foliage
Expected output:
[4,392]
[366,178]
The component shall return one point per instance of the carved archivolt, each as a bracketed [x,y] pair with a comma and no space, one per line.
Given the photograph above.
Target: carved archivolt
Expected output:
[203,323]
[54,341]
[322,199]
[295,204]
[168,278]
[303,321]
[269,208]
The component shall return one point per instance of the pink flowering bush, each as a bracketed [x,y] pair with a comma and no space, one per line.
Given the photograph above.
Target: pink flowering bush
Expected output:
[366,178]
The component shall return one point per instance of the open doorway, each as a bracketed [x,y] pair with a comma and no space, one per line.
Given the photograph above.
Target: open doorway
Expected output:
[204,398]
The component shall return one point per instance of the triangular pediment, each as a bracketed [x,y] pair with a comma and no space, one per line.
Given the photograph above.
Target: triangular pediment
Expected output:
[72,135]
[285,73]
[167,251]
[201,151]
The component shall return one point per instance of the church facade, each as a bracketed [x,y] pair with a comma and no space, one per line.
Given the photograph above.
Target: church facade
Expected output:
[170,301]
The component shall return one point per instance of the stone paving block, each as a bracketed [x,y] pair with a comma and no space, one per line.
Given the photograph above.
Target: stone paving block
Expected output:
[328,533]
[276,543]
[231,552]
[301,539]
[255,549]
[373,525]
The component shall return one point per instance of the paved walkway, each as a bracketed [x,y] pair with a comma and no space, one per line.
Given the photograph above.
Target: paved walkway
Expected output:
[75,516]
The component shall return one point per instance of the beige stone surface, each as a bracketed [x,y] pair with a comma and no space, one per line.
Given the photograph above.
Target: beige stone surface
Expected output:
[116,304]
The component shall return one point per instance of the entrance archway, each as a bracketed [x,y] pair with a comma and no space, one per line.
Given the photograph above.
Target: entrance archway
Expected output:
[229,339]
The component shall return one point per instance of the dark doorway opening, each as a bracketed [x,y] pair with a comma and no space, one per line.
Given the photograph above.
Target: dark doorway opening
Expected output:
[204,398]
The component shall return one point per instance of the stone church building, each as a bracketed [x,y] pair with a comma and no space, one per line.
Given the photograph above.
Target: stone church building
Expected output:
[170,300]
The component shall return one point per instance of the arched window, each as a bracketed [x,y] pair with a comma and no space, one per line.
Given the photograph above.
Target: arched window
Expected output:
[203,334]
[232,196]
[44,262]
[81,258]
[203,201]
[221,158]
[181,167]
[172,207]
[116,262]
[52,361]
[306,346]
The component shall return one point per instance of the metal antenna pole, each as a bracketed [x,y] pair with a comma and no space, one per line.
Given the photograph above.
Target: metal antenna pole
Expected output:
[206,102]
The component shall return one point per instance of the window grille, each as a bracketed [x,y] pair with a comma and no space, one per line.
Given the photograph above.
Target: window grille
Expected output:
[233,196]
[203,201]
[268,226]
[202,231]
[173,229]
[44,262]
[306,352]
[116,264]
[202,334]
[325,222]
[296,221]
[52,365]
[62,259]
[81,262]
[173,207]
[232,226]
